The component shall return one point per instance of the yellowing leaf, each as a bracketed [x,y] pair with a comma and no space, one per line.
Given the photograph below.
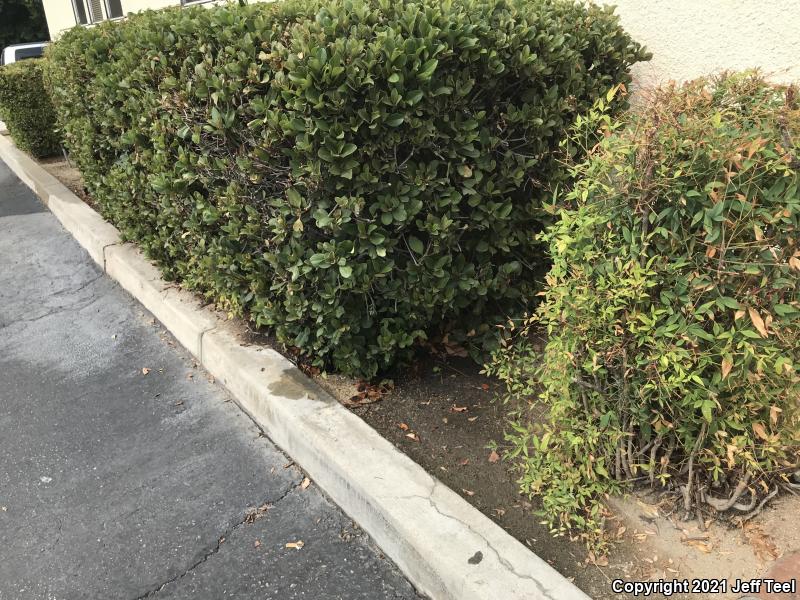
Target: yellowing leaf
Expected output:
[298,225]
[758,322]
[727,365]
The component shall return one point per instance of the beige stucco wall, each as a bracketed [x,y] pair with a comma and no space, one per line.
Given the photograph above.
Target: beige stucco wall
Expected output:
[690,38]
[60,15]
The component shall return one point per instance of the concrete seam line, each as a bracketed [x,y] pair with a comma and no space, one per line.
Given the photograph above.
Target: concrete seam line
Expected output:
[105,268]
[200,343]
[445,546]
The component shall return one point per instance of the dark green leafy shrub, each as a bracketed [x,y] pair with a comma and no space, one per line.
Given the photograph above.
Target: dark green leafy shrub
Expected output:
[351,174]
[26,109]
[672,310]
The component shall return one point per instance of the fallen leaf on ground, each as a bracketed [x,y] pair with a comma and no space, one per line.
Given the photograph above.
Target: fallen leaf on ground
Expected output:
[256,544]
[413,436]
[472,419]
[296,545]
[494,457]
[485,387]
[761,543]
[468,492]
[500,511]
[306,483]
[600,561]
[706,547]
[464,462]
[458,409]
[145,370]
[403,426]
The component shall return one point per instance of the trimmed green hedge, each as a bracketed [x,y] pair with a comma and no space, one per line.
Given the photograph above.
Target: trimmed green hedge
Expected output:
[26,109]
[672,311]
[353,175]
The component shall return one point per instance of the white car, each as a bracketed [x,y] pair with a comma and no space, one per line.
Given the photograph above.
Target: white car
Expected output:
[17,52]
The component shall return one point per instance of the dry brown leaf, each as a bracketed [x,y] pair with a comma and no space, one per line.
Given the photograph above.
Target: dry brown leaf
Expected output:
[472,419]
[794,262]
[701,545]
[145,370]
[727,365]
[760,431]
[256,544]
[761,543]
[758,322]
[458,409]
[306,483]
[464,462]
[296,545]
[738,315]
[774,413]
[493,456]
[403,426]
[732,450]
[413,436]
[600,561]
[468,492]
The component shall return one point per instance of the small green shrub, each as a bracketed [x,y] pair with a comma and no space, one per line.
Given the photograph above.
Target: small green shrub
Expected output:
[26,109]
[672,310]
[353,175]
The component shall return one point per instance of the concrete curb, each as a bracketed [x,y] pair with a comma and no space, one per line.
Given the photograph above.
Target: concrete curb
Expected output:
[447,548]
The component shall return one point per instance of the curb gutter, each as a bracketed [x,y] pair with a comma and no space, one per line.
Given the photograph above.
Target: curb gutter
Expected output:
[448,549]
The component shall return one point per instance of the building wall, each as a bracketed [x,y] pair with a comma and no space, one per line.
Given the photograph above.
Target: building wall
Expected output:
[690,38]
[60,15]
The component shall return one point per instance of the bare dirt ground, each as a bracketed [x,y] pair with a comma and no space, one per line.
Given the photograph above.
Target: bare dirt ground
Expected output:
[68,174]
[442,414]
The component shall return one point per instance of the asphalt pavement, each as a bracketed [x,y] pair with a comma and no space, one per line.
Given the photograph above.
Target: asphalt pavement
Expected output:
[125,471]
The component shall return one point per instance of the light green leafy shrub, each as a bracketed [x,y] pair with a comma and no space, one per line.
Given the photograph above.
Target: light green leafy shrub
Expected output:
[353,175]
[672,310]
[26,109]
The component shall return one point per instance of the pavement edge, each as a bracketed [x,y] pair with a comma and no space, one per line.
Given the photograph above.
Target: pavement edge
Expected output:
[447,548]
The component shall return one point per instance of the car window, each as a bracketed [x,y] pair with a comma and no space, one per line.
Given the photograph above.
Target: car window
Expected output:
[23,53]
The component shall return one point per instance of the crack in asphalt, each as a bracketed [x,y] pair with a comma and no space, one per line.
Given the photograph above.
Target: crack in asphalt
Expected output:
[152,592]
[71,307]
